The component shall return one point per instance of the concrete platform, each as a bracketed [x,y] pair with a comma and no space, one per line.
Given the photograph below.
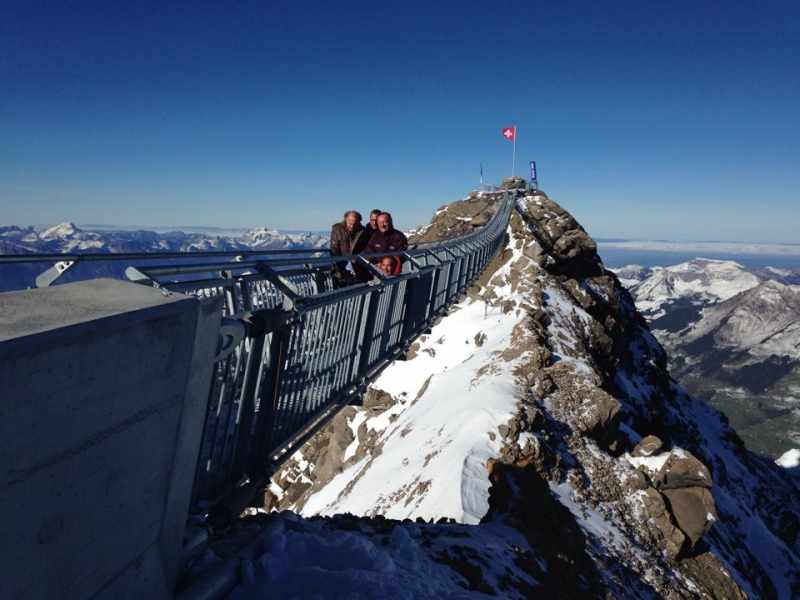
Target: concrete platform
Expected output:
[103,386]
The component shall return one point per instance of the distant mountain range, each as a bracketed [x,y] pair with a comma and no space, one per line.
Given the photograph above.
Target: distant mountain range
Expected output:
[733,338]
[68,238]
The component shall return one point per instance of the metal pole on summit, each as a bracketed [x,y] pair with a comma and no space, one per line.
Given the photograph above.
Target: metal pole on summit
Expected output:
[514,151]
[510,133]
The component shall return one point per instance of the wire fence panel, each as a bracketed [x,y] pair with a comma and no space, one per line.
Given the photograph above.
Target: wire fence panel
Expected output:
[384,326]
[318,364]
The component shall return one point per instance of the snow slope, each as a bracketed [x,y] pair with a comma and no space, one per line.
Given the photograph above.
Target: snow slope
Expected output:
[436,441]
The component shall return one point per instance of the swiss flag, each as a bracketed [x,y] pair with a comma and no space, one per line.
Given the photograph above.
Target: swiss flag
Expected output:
[510,132]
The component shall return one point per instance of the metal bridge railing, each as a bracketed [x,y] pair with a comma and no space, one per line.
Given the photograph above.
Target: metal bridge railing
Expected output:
[305,350]
[300,350]
[295,350]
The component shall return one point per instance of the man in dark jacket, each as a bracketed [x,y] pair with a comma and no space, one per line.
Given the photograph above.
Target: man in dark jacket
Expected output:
[372,226]
[386,239]
[348,237]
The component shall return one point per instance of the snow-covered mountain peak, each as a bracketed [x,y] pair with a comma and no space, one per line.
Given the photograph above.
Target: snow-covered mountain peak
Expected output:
[699,281]
[260,232]
[272,239]
[721,301]
[712,264]
[775,295]
[633,272]
[763,320]
[545,380]
[61,231]
[779,272]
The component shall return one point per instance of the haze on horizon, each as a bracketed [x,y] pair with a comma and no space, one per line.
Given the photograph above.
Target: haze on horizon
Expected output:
[647,121]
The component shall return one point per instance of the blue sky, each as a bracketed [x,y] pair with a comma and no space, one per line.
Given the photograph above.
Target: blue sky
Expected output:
[670,120]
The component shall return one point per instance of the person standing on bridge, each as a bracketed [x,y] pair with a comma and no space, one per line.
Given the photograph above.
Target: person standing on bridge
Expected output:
[386,239]
[348,237]
[389,265]
[372,226]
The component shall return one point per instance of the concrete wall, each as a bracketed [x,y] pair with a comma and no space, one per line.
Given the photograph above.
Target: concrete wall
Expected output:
[103,386]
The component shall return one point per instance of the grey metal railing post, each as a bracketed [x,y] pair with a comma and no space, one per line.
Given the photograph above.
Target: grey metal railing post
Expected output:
[247,404]
[418,309]
[365,349]
[354,368]
[278,346]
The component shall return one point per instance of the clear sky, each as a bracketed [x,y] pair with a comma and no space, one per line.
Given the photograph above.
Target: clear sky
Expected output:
[673,120]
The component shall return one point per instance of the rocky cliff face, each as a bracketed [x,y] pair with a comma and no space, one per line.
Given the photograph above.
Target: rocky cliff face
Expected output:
[544,403]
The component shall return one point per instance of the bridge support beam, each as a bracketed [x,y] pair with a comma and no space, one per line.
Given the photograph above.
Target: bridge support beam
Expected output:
[103,398]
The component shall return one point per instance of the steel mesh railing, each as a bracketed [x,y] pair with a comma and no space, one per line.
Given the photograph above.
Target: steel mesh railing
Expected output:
[303,350]
[284,385]
[275,390]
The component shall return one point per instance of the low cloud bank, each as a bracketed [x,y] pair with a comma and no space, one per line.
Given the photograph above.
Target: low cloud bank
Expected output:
[700,248]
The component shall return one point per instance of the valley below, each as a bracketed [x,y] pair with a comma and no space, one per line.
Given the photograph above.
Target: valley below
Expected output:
[768,422]
[731,335]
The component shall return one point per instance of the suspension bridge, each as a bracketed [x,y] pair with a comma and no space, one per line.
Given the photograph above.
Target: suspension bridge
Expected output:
[281,352]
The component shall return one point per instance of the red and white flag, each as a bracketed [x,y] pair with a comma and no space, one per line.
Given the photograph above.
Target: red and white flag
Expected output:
[510,132]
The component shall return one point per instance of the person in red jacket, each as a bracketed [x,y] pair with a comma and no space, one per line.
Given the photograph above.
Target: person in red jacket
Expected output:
[386,239]
[389,265]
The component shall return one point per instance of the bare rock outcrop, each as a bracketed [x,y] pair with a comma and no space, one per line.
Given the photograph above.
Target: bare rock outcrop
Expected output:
[563,246]
[693,509]
[459,218]
[656,507]
[682,470]
[648,446]
[601,417]
[686,484]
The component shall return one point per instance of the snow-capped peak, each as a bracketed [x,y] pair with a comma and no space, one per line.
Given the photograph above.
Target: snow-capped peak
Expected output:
[61,231]
[699,281]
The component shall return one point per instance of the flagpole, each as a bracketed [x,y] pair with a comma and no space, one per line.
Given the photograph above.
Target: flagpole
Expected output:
[514,151]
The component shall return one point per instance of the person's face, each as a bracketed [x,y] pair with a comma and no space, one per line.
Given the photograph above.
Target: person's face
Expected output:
[387,266]
[383,223]
[350,222]
[373,220]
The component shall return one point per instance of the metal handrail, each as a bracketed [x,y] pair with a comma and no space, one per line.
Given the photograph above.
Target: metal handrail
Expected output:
[320,348]
[297,350]
[155,255]
[65,262]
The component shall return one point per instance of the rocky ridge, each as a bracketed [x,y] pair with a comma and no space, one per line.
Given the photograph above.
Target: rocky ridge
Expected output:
[623,484]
